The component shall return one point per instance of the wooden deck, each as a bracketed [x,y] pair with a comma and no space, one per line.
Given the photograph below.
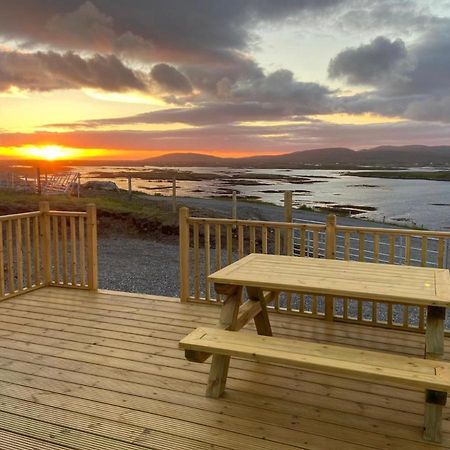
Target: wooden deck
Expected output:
[84,370]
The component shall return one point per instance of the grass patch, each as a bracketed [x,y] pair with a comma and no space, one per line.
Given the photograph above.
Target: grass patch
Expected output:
[116,213]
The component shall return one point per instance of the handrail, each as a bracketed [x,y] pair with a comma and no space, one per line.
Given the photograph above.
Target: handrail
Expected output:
[44,247]
[208,244]
[68,213]
[256,223]
[396,231]
[19,216]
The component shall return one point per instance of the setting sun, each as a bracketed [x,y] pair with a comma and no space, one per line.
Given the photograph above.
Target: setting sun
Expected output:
[49,152]
[52,152]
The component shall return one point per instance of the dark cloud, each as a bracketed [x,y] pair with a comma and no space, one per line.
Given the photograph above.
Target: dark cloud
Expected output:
[48,71]
[411,82]
[170,78]
[208,114]
[280,87]
[175,30]
[372,64]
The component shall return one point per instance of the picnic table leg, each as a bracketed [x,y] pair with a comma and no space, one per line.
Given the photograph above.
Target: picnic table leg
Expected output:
[228,320]
[434,349]
[262,321]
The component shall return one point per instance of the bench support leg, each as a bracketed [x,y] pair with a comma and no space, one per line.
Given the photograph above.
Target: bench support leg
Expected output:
[262,321]
[434,349]
[228,320]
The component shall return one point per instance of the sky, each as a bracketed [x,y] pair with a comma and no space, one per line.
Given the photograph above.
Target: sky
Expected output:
[116,79]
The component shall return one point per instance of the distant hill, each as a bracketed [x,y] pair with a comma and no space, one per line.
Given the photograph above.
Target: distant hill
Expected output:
[383,156]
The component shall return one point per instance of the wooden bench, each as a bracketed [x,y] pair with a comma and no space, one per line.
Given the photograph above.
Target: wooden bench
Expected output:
[377,367]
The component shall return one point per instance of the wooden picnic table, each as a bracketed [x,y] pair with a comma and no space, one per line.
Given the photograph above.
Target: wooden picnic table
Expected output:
[265,275]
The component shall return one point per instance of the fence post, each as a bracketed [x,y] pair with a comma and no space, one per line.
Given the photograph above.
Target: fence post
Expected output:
[44,208]
[288,218]
[130,188]
[184,253]
[91,225]
[174,194]
[38,181]
[234,205]
[330,253]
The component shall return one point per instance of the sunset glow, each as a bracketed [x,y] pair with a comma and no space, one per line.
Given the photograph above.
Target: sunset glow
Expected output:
[92,80]
[52,153]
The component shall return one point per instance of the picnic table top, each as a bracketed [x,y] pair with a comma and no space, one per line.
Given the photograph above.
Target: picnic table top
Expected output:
[422,286]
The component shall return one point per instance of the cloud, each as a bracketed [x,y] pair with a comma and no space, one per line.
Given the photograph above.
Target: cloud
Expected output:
[42,71]
[411,82]
[189,31]
[170,78]
[280,87]
[202,115]
[371,64]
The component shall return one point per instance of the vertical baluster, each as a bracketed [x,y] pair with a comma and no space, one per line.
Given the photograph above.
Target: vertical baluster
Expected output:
[277,241]
[19,254]
[81,233]
[252,233]
[196,261]
[64,250]
[2,263]
[36,252]
[441,251]
[346,246]
[302,241]
[264,239]
[28,252]
[301,302]
[345,308]
[408,250]
[392,249]
[376,248]
[362,242]
[314,305]
[229,244]
[73,251]
[218,239]
[55,220]
[360,310]
[405,316]
[424,251]
[9,239]
[207,260]
[422,318]
[240,241]
[315,243]
[389,318]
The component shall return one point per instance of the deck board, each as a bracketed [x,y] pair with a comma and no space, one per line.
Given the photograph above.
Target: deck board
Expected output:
[103,371]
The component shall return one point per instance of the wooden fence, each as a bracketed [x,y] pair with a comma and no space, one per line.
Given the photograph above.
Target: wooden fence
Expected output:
[207,244]
[48,248]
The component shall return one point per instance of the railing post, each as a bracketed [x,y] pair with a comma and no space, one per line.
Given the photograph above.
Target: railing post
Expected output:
[288,218]
[330,253]
[44,230]
[91,225]
[184,253]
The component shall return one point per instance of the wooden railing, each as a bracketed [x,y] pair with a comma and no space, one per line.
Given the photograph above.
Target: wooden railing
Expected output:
[208,244]
[45,247]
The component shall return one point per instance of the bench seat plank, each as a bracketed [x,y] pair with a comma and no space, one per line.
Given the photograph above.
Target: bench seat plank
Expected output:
[355,363]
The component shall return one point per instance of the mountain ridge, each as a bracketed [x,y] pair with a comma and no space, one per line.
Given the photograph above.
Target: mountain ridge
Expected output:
[409,155]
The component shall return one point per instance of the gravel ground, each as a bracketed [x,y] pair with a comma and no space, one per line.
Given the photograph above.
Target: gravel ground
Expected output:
[138,265]
[151,267]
